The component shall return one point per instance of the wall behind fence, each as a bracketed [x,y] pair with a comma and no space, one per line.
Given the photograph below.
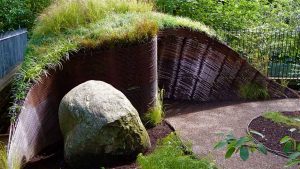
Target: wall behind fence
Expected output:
[12,48]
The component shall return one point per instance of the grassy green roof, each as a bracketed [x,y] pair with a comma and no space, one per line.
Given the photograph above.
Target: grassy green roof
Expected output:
[69,25]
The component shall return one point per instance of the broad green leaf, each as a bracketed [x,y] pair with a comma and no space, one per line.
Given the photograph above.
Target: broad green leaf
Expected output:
[230,137]
[292,163]
[220,144]
[285,139]
[232,143]
[298,147]
[252,149]
[242,141]
[261,148]
[229,152]
[244,153]
[288,147]
[294,156]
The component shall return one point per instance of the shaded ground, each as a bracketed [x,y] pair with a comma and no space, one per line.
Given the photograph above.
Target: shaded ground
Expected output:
[55,161]
[4,138]
[200,123]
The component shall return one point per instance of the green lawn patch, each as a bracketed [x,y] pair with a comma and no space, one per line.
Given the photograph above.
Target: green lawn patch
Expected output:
[278,117]
[171,153]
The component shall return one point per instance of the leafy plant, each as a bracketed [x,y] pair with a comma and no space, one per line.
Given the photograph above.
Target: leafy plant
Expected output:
[253,91]
[292,149]
[155,115]
[172,153]
[243,145]
[246,144]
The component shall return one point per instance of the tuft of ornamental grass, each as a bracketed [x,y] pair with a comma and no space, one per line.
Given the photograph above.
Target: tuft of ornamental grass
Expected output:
[156,114]
[254,91]
[3,156]
[4,159]
[280,118]
[172,153]
[71,14]
[70,25]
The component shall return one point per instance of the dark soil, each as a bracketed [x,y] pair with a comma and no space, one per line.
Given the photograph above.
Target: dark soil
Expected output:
[274,132]
[49,160]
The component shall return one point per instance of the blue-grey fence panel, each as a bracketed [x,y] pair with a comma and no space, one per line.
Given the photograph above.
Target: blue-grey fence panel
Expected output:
[12,49]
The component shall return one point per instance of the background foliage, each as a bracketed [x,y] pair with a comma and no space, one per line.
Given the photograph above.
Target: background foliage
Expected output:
[236,14]
[16,14]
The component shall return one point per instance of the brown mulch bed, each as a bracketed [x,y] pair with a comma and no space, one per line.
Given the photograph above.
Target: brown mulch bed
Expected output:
[55,160]
[274,132]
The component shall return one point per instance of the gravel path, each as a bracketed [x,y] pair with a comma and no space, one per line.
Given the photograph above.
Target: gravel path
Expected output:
[200,123]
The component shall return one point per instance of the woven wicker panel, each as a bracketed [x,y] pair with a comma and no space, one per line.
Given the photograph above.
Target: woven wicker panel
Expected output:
[132,70]
[203,69]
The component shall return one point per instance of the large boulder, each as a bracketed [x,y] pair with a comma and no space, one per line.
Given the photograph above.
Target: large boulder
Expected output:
[99,124]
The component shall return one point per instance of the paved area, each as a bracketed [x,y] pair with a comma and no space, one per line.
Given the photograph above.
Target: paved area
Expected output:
[200,123]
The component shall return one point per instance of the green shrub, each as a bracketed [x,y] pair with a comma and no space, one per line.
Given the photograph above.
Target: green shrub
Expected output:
[155,115]
[16,14]
[243,145]
[171,153]
[292,148]
[254,91]
[246,145]
[235,14]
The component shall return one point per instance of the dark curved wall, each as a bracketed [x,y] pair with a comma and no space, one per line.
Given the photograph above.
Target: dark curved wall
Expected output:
[195,67]
[132,70]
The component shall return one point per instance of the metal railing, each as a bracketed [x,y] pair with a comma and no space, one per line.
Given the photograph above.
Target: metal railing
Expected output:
[12,49]
[276,53]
